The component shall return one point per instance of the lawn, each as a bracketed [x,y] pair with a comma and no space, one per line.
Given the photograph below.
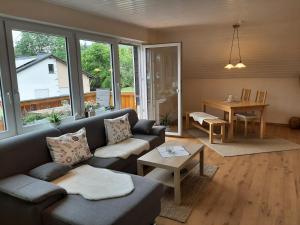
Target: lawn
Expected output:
[128,89]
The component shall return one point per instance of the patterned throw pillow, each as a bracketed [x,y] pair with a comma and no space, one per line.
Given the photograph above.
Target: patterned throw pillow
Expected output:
[70,148]
[117,129]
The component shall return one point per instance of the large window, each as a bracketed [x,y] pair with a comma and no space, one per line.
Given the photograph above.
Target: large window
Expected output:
[97,75]
[46,69]
[42,72]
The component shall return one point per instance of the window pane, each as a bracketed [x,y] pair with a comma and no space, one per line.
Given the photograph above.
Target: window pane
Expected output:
[2,121]
[129,75]
[96,64]
[42,75]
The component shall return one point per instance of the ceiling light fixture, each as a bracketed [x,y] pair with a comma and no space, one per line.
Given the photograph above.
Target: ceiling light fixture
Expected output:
[240,64]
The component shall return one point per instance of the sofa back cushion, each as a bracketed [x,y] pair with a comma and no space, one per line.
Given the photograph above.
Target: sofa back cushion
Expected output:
[22,153]
[95,129]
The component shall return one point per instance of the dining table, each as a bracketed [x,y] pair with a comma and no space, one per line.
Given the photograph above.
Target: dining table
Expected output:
[233,107]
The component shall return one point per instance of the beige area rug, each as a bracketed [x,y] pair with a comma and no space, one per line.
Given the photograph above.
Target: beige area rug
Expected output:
[191,189]
[245,146]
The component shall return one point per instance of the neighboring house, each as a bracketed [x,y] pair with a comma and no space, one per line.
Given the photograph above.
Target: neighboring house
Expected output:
[44,76]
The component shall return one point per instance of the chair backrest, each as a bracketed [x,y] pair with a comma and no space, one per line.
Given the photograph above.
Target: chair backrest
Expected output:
[261,97]
[246,93]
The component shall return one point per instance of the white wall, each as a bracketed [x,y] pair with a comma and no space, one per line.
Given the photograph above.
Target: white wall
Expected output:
[38,77]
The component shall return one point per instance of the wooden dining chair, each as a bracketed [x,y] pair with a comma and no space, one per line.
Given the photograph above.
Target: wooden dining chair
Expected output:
[261,97]
[247,117]
[246,93]
[245,97]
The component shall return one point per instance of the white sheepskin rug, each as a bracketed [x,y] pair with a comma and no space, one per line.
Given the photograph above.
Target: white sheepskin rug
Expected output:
[95,183]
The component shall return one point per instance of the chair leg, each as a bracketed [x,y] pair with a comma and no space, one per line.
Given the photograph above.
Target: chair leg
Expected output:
[253,126]
[246,128]
[211,133]
[223,133]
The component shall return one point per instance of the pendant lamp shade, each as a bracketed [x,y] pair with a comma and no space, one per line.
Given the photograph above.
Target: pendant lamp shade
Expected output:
[229,66]
[240,65]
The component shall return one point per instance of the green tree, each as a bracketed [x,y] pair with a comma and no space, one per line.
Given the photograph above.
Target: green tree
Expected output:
[31,44]
[126,66]
[95,59]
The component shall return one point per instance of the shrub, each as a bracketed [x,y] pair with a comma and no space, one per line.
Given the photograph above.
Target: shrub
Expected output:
[30,118]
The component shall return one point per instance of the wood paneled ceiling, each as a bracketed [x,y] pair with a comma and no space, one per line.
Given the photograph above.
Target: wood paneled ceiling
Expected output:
[172,13]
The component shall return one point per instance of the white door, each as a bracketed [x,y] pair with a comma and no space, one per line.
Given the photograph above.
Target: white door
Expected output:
[161,85]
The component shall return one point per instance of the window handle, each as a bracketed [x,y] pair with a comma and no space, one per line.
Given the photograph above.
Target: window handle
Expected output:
[9,97]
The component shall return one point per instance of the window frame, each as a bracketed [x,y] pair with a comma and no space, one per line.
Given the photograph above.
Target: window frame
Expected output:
[72,69]
[51,69]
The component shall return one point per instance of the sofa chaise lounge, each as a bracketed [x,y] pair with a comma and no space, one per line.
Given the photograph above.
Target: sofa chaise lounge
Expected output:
[29,201]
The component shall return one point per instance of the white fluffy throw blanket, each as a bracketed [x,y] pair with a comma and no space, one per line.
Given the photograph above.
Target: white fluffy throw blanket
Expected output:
[201,116]
[123,149]
[95,184]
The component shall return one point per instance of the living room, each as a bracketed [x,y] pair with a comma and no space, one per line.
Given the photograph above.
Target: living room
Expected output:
[186,111]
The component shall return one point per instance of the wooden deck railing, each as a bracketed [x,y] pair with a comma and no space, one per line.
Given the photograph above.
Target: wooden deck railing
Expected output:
[127,101]
[1,125]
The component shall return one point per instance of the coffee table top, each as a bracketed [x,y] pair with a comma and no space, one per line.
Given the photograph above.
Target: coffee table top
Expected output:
[153,158]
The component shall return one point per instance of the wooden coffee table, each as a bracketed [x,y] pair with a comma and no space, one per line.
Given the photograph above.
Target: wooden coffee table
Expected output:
[172,171]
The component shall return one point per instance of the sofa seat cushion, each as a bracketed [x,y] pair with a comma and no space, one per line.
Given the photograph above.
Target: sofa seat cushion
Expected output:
[109,163]
[128,165]
[123,149]
[153,140]
[141,207]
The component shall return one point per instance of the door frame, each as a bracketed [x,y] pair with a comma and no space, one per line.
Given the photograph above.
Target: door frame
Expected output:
[143,82]
[5,88]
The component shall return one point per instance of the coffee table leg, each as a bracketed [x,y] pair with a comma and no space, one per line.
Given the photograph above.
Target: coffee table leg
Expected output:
[201,162]
[177,187]
[140,169]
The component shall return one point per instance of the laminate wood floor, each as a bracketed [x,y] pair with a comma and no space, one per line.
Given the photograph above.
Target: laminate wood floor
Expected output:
[261,189]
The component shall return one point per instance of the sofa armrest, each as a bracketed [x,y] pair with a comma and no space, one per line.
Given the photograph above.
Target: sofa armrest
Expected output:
[159,131]
[29,189]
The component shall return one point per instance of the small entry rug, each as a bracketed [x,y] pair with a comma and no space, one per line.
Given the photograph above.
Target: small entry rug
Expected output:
[191,189]
[245,146]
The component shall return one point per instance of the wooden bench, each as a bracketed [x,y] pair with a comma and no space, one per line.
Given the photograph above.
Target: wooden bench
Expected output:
[212,124]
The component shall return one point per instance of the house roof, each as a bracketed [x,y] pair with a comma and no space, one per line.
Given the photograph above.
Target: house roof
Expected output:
[25,62]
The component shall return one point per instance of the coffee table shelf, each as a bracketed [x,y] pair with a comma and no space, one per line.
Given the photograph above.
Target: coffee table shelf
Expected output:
[166,177]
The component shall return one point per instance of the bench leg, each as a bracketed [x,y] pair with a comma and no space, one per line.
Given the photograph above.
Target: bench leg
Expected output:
[187,120]
[237,125]
[211,133]
[246,128]
[223,133]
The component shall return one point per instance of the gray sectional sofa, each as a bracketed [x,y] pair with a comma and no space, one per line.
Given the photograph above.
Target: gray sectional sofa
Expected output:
[25,200]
